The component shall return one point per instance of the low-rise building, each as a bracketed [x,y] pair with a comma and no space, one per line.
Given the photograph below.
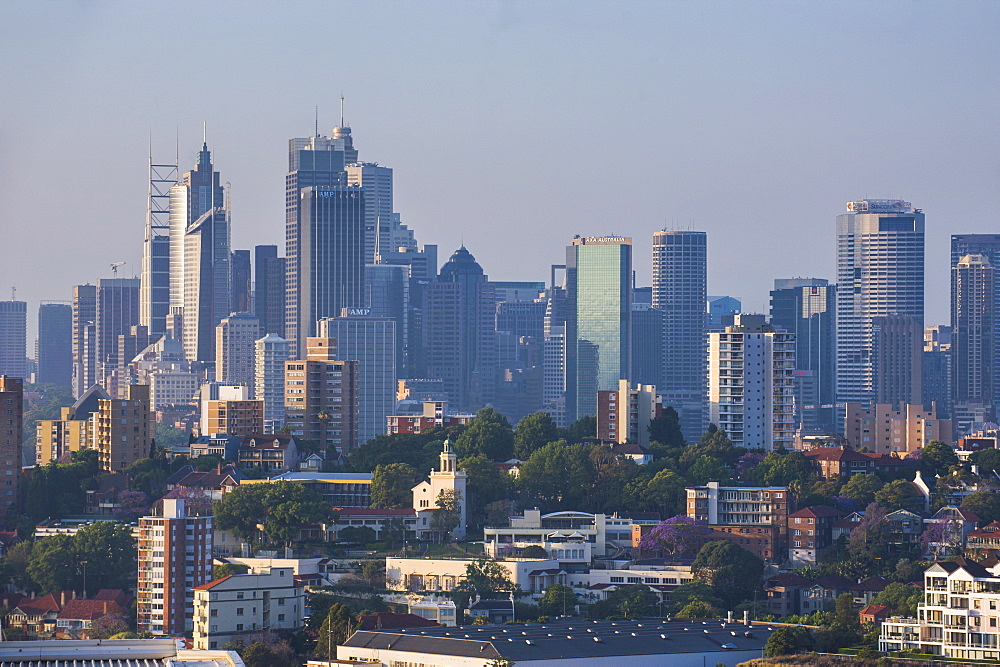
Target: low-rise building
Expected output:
[433,415]
[755,518]
[269,453]
[821,594]
[340,489]
[810,531]
[265,599]
[843,462]
[436,609]
[440,575]
[567,536]
[784,594]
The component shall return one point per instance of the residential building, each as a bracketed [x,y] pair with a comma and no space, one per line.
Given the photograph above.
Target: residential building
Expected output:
[884,428]
[11,418]
[265,599]
[446,479]
[269,289]
[340,489]
[321,398]
[806,307]
[598,319]
[175,556]
[433,609]
[13,338]
[755,518]
[974,341]
[232,417]
[270,354]
[55,344]
[235,337]
[269,453]
[75,618]
[783,594]
[123,429]
[73,431]
[843,461]
[84,337]
[905,527]
[624,414]
[434,414]
[880,272]
[810,532]
[750,383]
[680,279]
[570,537]
[821,594]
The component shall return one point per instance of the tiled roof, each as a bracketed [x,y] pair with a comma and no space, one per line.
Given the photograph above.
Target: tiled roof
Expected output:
[817,511]
[386,620]
[835,454]
[871,584]
[88,610]
[266,440]
[834,582]
[371,511]
[788,579]
[212,584]
[875,610]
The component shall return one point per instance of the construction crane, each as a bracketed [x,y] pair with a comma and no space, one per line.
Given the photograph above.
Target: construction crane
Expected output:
[114,268]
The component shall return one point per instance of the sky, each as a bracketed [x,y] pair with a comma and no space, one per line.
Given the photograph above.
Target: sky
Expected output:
[510,126]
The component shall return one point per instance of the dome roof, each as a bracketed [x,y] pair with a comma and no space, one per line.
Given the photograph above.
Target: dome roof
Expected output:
[461,262]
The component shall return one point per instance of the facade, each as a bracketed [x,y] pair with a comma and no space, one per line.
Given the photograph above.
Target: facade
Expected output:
[623,415]
[11,417]
[810,532]
[345,489]
[321,401]
[269,289]
[884,428]
[806,307]
[232,417]
[55,344]
[175,556]
[755,518]
[371,341]
[270,354]
[376,181]
[123,429]
[844,462]
[200,257]
[880,272]
[425,494]
[573,537]
[235,337]
[973,340]
[269,453]
[266,599]
[680,280]
[84,332]
[13,338]
[897,344]
[438,575]
[750,383]
[73,431]
[434,414]
[936,372]
[598,319]
[117,311]
[241,289]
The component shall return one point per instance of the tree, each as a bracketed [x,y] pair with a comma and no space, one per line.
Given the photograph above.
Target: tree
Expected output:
[708,469]
[447,515]
[677,536]
[695,591]
[373,572]
[53,563]
[228,570]
[489,434]
[869,541]
[665,492]
[391,485]
[106,626]
[900,495]
[533,432]
[941,538]
[109,551]
[666,429]
[169,436]
[583,428]
[558,474]
[486,483]
[334,631]
[131,506]
[486,578]
[698,609]
[280,507]
[902,598]
[733,572]
[988,460]
[936,457]
[558,600]
[862,488]
[634,601]
[986,505]
[358,534]
[534,551]
[788,640]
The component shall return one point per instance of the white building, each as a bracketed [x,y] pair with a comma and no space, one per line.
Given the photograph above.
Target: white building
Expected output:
[434,608]
[425,494]
[751,368]
[270,354]
[234,349]
[436,575]
[119,652]
[265,599]
[573,537]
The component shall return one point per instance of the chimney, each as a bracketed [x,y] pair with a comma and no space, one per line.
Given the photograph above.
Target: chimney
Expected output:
[746,617]
[729,616]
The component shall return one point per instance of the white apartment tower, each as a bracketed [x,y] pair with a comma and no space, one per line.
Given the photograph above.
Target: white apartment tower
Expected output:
[235,337]
[750,383]
[880,273]
[271,353]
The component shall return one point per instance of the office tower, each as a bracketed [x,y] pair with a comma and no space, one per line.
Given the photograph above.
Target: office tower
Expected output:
[154,291]
[525,322]
[880,272]
[241,291]
[750,394]
[554,349]
[421,266]
[14,338]
[897,344]
[12,406]
[376,182]
[973,342]
[459,331]
[623,414]
[123,430]
[175,555]
[370,341]
[387,294]
[73,431]
[806,307]
[513,291]
[647,343]
[720,311]
[234,349]
[269,289]
[680,289]
[936,372]
[422,263]
[599,309]
[55,344]
[84,318]
[117,313]
[321,397]
[271,353]
[200,258]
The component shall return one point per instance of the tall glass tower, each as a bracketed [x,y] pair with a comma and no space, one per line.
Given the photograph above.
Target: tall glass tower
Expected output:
[973,332]
[598,325]
[880,273]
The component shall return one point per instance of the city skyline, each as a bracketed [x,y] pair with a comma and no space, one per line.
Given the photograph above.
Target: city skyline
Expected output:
[742,176]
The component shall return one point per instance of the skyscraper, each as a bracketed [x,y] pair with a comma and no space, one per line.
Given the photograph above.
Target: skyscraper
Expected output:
[880,272]
[806,307]
[14,338]
[200,256]
[84,338]
[598,322]
[55,344]
[271,353]
[973,323]
[241,289]
[11,416]
[235,338]
[117,312]
[680,291]
[269,289]
[377,184]
[154,292]
[387,294]
[897,359]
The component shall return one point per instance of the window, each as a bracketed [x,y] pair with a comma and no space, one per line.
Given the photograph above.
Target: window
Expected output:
[214,612]
[239,611]
[281,617]
[239,627]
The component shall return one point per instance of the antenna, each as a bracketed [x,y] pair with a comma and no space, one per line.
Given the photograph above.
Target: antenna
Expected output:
[204,132]
[13,293]
[317,120]
[342,109]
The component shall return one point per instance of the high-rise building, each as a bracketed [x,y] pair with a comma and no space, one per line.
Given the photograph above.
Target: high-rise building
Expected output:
[647,344]
[14,338]
[200,257]
[269,289]
[750,383]
[598,322]
[376,182]
[122,429]
[897,345]
[554,350]
[321,397]
[233,417]
[387,294]
[371,341]
[271,353]
[73,431]
[623,414]
[987,245]
[117,312]
[11,416]
[175,555]
[235,337]
[241,290]
[973,341]
[84,338]
[680,291]
[807,307]
[936,371]
[55,344]
[154,292]
[880,272]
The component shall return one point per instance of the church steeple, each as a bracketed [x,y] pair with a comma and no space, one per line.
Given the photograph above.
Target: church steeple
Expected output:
[448,458]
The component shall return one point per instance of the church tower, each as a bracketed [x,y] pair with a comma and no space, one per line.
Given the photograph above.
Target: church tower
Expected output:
[446,477]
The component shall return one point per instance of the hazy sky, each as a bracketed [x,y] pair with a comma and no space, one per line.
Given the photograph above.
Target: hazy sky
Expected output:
[510,125]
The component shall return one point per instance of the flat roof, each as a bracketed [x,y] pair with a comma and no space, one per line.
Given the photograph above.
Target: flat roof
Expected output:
[331,477]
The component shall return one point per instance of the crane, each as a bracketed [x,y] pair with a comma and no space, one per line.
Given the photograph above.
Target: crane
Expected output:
[114,268]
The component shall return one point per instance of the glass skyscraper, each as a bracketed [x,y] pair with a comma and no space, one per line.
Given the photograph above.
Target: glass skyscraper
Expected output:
[598,326]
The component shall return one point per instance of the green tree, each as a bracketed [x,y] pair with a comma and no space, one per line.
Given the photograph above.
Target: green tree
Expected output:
[583,428]
[534,551]
[447,514]
[788,640]
[936,457]
[559,600]
[698,609]
[988,460]
[695,591]
[486,483]
[634,601]
[391,485]
[489,434]
[708,469]
[228,569]
[900,495]
[335,630]
[169,436]
[14,566]
[666,429]
[280,507]
[986,505]
[53,563]
[612,475]
[106,626]
[862,488]
[902,598]
[558,474]
[733,572]
[109,551]
[359,534]
[486,578]
[533,432]
[665,492]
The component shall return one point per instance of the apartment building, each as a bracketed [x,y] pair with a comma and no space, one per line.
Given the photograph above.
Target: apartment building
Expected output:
[122,429]
[240,418]
[755,518]
[434,414]
[265,599]
[885,428]
[810,531]
[623,414]
[321,397]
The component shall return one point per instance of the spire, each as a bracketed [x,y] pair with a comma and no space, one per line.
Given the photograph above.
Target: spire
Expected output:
[204,135]
[317,121]
[342,109]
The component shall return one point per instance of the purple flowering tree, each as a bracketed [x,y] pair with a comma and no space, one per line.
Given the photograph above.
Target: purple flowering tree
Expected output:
[677,536]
